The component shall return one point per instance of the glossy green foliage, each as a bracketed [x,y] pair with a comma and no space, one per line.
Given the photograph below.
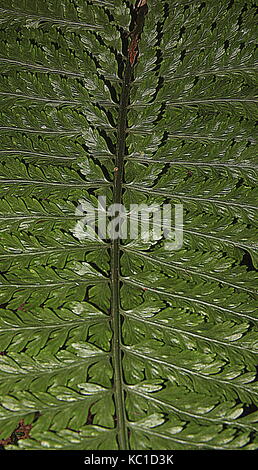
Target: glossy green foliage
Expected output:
[188,343]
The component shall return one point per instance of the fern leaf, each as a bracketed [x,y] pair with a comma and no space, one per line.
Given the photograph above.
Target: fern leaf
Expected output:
[123,344]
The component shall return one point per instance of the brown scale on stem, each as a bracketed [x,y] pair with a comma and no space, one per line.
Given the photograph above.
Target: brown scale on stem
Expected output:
[140,10]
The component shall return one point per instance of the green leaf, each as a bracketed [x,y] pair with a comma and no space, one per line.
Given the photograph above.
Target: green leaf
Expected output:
[125,344]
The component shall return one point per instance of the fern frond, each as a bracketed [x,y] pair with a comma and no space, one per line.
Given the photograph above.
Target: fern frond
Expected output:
[124,344]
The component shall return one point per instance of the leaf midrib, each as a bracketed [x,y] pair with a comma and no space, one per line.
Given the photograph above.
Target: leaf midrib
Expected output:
[115,263]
